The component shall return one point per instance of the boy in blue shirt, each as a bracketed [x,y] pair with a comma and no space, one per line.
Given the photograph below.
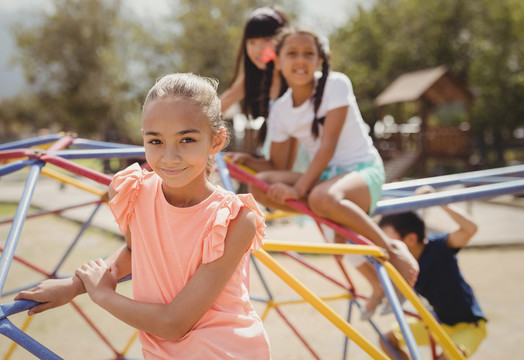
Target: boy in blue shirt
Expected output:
[440,280]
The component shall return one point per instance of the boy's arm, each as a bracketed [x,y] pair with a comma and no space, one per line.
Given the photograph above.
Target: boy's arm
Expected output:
[467,227]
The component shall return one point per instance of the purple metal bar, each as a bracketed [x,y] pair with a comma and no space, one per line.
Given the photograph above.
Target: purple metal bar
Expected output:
[409,203]
[16,165]
[224,173]
[46,139]
[445,180]
[130,152]
[93,144]
[18,222]
[397,310]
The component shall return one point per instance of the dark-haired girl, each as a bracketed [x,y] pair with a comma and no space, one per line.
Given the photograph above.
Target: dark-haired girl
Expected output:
[259,31]
[344,179]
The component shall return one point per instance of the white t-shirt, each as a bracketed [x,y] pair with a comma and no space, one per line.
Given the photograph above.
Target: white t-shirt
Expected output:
[354,143]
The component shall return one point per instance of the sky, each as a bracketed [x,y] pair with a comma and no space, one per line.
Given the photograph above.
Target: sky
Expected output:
[322,16]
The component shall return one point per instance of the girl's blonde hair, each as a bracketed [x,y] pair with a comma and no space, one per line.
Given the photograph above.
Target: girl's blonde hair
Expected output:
[197,90]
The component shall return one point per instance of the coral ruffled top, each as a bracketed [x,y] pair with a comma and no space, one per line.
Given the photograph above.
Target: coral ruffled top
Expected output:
[168,245]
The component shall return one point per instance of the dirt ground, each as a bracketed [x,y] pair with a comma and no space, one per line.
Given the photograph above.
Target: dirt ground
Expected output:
[495,274]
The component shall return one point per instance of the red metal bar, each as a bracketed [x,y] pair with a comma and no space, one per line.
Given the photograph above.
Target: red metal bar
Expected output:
[14,154]
[338,260]
[93,326]
[56,211]
[62,143]
[30,265]
[77,169]
[244,176]
[317,270]
[295,331]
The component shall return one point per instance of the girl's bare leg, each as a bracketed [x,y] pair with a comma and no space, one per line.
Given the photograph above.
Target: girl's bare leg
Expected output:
[345,199]
[370,274]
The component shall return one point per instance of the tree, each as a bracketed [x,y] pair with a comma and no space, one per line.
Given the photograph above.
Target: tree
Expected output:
[208,34]
[74,60]
[479,40]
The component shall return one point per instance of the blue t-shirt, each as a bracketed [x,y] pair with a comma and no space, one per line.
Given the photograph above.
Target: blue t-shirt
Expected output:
[441,283]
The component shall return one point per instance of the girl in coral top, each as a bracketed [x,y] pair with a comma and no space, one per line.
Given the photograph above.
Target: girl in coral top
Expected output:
[187,240]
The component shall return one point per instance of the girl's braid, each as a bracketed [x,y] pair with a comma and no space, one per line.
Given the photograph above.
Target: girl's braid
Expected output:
[324,54]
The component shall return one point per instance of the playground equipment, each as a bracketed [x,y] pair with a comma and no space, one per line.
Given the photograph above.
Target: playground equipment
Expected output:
[481,184]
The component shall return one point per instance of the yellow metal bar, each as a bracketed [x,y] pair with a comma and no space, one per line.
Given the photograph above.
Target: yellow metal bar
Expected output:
[438,333]
[130,342]
[323,298]
[269,306]
[280,214]
[335,249]
[242,166]
[320,305]
[72,181]
[14,345]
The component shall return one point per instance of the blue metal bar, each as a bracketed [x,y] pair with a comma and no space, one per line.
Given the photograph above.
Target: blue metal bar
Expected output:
[261,277]
[480,181]
[18,221]
[21,338]
[409,203]
[445,180]
[346,339]
[16,165]
[14,307]
[84,227]
[491,180]
[93,144]
[124,153]
[46,139]
[375,327]
[224,172]
[397,310]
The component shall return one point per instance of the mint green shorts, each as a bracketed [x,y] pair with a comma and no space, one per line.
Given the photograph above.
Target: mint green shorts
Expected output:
[373,174]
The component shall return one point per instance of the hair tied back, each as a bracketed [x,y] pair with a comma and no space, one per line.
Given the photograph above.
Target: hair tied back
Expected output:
[269,12]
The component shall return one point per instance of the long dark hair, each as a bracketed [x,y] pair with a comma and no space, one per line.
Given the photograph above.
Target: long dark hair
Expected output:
[323,53]
[262,22]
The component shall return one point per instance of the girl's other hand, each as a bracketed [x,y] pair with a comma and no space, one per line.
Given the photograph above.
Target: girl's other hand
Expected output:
[424,189]
[52,293]
[98,278]
[281,192]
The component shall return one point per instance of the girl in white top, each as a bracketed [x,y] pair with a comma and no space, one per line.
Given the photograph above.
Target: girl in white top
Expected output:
[343,181]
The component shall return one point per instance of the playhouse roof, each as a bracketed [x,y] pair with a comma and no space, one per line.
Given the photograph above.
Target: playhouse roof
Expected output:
[437,85]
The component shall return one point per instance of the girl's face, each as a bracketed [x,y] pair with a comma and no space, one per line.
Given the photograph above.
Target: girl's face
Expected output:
[255,48]
[178,142]
[298,59]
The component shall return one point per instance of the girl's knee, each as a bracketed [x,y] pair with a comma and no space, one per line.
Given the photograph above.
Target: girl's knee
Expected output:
[320,201]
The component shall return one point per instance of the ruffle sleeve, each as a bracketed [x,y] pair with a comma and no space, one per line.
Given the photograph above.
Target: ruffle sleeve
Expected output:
[228,210]
[126,184]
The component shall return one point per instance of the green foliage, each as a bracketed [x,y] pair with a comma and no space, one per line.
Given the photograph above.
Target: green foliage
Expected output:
[76,69]
[90,63]
[482,41]
[208,35]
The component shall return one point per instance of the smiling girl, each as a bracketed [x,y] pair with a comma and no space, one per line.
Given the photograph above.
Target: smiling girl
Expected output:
[344,179]
[187,240]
